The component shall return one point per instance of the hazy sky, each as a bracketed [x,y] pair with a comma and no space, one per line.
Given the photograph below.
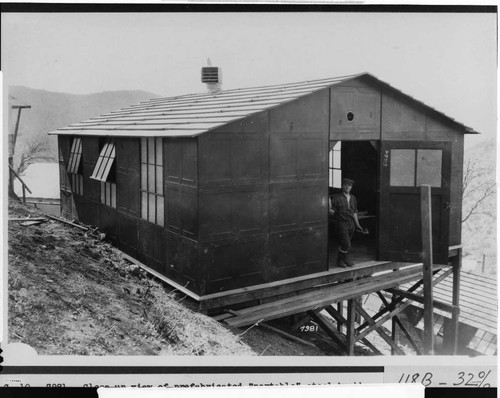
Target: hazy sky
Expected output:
[447,61]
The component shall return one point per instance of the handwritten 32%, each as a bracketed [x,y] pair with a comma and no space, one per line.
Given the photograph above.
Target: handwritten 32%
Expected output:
[464,379]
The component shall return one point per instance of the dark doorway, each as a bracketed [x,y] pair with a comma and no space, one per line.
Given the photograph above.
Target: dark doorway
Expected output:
[357,160]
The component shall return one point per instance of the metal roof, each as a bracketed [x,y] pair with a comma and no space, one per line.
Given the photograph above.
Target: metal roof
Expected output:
[195,114]
[478,299]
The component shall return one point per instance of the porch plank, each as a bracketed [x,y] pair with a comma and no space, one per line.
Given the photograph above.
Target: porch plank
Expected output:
[322,297]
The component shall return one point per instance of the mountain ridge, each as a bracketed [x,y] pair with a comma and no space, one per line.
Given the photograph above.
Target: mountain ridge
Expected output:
[51,110]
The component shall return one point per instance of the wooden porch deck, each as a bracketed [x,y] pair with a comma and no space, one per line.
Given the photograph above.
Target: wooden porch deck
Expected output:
[318,283]
[343,285]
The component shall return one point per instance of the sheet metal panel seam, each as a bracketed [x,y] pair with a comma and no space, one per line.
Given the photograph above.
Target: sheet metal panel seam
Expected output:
[224,96]
[272,87]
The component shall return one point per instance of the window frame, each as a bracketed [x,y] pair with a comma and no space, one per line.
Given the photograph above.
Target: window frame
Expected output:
[416,181]
[108,194]
[152,185]
[75,166]
[105,161]
[75,156]
[333,152]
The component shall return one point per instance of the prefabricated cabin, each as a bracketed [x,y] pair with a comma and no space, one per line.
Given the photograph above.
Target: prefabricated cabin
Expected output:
[219,191]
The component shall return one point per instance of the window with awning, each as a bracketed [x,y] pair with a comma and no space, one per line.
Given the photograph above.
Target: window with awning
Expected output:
[105,161]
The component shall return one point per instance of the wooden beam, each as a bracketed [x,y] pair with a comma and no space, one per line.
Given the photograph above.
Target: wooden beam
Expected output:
[221,317]
[29,219]
[442,277]
[397,322]
[437,268]
[323,297]
[350,289]
[342,321]
[391,306]
[382,334]
[382,320]
[163,278]
[285,286]
[395,307]
[306,318]
[340,309]
[19,178]
[419,299]
[329,329]
[286,335]
[394,326]
[426,220]
[68,222]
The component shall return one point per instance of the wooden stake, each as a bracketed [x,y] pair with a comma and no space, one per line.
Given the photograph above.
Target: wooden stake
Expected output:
[426,219]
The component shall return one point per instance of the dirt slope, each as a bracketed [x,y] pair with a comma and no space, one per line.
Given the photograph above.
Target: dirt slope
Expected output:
[72,293]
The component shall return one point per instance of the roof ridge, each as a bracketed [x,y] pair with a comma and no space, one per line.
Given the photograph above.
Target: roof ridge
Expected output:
[289,84]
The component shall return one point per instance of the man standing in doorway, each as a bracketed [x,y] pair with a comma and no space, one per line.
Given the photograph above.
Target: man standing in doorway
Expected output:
[344,213]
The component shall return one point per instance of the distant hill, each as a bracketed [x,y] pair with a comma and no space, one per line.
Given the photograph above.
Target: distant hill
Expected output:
[52,110]
[479,232]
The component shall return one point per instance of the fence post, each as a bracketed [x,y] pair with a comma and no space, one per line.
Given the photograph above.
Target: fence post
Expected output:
[426,218]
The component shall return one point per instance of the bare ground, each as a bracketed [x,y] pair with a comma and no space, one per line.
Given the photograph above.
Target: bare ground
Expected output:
[71,293]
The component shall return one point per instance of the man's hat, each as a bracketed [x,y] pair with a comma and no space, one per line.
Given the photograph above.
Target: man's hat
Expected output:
[347,181]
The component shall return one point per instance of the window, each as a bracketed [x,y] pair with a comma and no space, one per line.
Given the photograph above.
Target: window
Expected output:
[105,172]
[335,172]
[152,199]
[105,161]
[75,166]
[75,156]
[108,194]
[414,167]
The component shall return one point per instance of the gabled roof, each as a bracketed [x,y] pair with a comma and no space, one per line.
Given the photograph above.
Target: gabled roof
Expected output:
[195,114]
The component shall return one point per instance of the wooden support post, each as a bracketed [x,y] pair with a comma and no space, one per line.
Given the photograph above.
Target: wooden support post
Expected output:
[12,146]
[426,219]
[339,318]
[340,309]
[394,326]
[397,322]
[457,265]
[351,316]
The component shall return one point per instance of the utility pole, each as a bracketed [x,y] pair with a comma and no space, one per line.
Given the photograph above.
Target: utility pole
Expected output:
[12,145]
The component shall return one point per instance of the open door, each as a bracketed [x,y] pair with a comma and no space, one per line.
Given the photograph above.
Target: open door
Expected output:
[404,166]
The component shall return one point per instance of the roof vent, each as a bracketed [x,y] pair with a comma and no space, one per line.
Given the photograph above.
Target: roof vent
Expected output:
[212,77]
